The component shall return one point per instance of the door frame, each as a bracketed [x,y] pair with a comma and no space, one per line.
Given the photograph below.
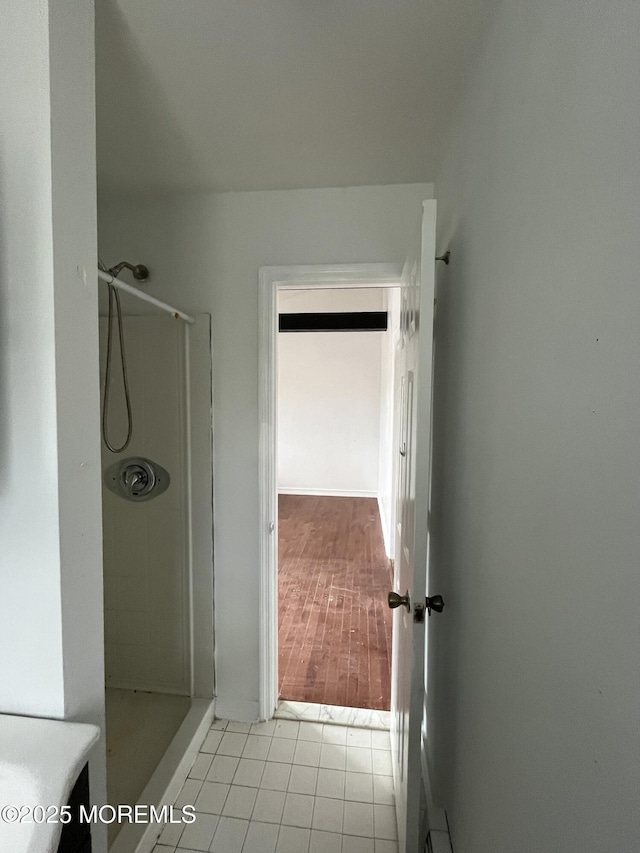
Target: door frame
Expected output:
[271,280]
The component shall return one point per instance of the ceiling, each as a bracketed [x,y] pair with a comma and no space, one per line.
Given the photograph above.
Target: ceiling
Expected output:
[276,94]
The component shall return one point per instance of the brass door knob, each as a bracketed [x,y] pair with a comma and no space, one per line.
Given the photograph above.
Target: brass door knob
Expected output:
[394,600]
[435,602]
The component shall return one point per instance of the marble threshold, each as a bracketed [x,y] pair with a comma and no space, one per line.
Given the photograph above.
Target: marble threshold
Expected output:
[362,718]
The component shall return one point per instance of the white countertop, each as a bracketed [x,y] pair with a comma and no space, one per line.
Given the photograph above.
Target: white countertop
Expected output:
[40,761]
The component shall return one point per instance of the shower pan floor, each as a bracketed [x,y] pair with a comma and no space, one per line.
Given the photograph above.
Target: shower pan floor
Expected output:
[140,727]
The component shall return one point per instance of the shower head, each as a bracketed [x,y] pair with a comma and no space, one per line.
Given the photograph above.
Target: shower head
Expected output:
[140,272]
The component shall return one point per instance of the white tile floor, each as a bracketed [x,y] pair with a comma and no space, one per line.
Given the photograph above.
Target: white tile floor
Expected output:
[288,787]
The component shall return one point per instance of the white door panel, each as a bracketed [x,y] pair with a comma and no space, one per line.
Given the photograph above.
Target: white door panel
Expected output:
[412,537]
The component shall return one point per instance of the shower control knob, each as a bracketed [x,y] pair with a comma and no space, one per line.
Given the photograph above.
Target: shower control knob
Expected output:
[137,479]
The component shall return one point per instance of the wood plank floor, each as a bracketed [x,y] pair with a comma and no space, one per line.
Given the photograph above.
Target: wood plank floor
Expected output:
[334,623]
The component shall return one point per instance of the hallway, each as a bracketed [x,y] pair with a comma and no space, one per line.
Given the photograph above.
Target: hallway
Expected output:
[334,625]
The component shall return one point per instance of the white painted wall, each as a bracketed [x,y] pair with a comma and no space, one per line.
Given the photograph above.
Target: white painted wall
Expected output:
[50,526]
[536,658]
[329,390]
[204,252]
[31,565]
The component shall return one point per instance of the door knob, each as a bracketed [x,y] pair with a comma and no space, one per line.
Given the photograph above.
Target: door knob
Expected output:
[394,600]
[435,602]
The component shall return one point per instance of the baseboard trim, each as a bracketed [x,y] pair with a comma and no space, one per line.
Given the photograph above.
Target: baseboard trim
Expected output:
[329,493]
[239,710]
[436,826]
[438,842]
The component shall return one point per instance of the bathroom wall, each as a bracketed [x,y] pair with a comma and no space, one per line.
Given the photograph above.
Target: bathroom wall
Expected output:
[329,399]
[204,251]
[145,543]
[51,600]
[536,499]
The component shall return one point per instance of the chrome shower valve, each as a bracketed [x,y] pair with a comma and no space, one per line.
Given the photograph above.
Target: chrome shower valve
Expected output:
[137,479]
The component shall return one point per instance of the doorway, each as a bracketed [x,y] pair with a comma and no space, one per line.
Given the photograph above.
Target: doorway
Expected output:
[334,402]
[328,485]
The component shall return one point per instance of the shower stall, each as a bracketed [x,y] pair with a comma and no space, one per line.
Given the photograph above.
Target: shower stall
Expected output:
[158,554]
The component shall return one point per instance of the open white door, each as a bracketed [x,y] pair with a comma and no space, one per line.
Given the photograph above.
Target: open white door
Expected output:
[412,535]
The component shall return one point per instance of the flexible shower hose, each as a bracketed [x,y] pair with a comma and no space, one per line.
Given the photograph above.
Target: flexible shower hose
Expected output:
[114,295]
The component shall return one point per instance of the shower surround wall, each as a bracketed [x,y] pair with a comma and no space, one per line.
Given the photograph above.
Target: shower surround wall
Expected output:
[146,584]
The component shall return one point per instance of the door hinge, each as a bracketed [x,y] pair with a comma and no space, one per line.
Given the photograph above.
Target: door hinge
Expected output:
[418,613]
